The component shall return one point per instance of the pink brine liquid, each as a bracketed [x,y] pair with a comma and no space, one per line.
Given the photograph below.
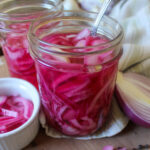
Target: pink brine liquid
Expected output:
[16,51]
[76,91]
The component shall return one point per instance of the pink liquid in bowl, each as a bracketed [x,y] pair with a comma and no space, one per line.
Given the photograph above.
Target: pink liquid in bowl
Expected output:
[76,92]
[15,48]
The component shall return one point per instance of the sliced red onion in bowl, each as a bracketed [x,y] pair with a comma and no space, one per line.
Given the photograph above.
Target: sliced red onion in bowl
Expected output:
[14,111]
[133,94]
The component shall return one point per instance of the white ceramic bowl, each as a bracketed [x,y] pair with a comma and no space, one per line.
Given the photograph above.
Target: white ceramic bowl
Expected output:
[22,136]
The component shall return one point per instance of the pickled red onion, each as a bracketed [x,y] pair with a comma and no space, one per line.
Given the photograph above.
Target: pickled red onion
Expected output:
[76,91]
[14,111]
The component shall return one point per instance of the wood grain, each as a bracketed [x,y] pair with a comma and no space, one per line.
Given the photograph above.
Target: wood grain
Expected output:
[131,137]
[3,68]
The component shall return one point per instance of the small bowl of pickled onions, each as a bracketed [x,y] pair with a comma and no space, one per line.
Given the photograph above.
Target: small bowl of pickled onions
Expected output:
[19,110]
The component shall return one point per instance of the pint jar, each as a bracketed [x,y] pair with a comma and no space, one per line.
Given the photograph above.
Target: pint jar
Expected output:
[76,81]
[15,19]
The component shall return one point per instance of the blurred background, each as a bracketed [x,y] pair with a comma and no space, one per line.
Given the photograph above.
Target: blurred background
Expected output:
[89,5]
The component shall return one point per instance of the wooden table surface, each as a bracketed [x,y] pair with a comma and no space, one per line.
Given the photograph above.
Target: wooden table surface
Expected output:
[131,137]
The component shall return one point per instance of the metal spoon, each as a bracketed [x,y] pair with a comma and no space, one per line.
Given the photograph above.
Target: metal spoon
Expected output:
[99,16]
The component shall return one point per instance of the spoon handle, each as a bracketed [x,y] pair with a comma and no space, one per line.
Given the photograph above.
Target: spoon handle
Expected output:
[99,16]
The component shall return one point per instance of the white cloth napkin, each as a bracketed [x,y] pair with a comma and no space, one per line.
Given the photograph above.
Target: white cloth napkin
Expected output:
[134,16]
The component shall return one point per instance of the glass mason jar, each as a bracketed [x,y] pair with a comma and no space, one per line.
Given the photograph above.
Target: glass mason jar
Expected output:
[76,83]
[15,19]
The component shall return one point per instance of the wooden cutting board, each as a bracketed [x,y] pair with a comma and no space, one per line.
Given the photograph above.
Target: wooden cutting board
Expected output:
[131,137]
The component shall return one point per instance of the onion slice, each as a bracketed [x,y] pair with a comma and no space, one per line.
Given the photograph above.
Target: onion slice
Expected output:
[6,112]
[110,147]
[133,94]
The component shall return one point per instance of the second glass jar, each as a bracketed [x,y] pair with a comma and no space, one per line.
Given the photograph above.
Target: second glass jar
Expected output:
[15,19]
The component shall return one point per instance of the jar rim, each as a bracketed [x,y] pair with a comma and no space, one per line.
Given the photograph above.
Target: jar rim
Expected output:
[17,17]
[34,39]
